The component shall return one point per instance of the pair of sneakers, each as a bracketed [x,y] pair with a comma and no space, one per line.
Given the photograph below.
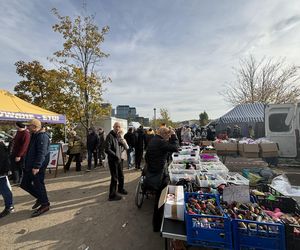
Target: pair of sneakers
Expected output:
[7,211]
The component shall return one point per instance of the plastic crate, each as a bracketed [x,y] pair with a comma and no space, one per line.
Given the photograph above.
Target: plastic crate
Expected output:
[214,168]
[290,206]
[175,177]
[208,234]
[237,179]
[253,237]
[190,157]
[176,166]
[214,180]
[209,158]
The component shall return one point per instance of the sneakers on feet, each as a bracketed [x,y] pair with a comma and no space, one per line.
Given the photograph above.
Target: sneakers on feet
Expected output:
[36,205]
[115,198]
[7,211]
[40,210]
[88,170]
[123,192]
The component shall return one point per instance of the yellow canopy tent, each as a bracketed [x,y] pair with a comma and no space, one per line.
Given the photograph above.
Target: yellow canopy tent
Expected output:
[13,108]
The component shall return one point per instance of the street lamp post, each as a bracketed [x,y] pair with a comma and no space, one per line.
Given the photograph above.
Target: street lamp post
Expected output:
[154,118]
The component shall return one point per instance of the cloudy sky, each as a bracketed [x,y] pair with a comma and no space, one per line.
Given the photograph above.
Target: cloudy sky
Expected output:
[175,54]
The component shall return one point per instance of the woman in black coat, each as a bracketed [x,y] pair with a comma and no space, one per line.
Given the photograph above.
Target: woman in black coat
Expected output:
[164,142]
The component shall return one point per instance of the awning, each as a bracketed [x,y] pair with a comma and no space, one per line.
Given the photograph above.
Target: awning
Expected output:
[249,112]
[13,108]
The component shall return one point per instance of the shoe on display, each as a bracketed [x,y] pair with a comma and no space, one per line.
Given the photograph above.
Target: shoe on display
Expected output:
[42,209]
[7,211]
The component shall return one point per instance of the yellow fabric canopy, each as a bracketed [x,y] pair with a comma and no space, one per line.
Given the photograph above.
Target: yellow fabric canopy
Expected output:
[13,108]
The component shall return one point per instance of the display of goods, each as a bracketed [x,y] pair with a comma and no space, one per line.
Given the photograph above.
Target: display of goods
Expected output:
[185,161]
[287,210]
[237,179]
[243,211]
[210,180]
[187,175]
[214,168]
[209,157]
[253,228]
[187,166]
[206,223]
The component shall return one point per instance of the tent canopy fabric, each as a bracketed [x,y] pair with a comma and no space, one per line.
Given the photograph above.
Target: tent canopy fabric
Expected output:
[13,108]
[249,112]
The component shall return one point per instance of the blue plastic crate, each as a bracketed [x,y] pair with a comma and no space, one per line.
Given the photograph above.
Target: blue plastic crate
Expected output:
[208,234]
[258,235]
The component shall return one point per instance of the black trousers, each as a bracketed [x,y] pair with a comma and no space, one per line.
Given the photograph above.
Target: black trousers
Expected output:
[158,212]
[92,154]
[117,177]
[77,158]
[17,169]
[138,157]
[35,185]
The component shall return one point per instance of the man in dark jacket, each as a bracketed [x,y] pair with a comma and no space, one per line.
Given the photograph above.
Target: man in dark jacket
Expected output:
[163,142]
[130,139]
[113,149]
[92,147]
[4,184]
[19,148]
[36,162]
[139,146]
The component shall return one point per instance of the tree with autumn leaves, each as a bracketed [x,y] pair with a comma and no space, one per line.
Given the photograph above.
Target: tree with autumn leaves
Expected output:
[75,87]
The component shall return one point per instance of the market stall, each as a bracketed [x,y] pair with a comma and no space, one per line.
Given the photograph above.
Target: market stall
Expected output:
[13,108]
[206,205]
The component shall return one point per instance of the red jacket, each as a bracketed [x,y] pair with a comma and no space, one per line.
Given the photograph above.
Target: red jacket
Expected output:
[21,142]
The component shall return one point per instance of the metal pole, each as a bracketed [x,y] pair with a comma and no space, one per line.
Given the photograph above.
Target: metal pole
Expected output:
[154,118]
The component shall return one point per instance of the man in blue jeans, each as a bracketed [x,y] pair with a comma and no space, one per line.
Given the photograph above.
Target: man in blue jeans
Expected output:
[36,162]
[5,188]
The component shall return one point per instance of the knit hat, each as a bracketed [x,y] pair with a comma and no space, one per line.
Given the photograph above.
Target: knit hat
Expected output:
[20,124]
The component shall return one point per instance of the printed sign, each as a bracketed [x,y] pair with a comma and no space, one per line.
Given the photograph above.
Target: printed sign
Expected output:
[55,155]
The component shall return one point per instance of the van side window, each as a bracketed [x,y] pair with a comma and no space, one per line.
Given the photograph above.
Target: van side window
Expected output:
[277,123]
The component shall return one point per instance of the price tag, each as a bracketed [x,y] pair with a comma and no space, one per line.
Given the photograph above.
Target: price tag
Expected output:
[236,193]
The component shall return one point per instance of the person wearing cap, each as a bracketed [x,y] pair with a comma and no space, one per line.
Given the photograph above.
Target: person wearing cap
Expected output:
[20,145]
[164,142]
[36,162]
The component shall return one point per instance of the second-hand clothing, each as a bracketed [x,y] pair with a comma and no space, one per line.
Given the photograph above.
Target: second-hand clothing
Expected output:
[37,157]
[113,150]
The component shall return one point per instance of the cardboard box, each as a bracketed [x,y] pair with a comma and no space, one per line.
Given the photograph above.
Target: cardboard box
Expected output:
[206,143]
[269,150]
[226,148]
[174,209]
[250,150]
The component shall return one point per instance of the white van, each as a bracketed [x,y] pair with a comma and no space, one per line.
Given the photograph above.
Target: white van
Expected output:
[282,125]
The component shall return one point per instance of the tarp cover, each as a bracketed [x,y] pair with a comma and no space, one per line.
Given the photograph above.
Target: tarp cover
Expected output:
[13,108]
[249,112]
